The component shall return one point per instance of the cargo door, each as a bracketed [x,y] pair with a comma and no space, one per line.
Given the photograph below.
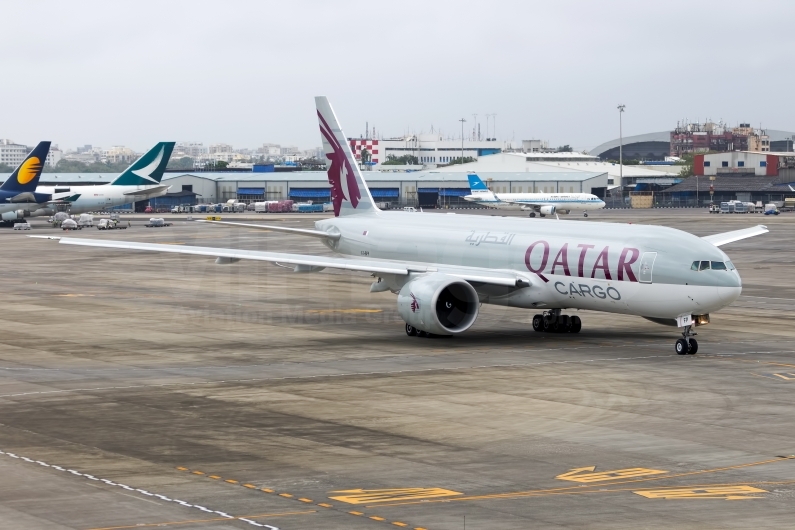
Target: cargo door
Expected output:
[646,266]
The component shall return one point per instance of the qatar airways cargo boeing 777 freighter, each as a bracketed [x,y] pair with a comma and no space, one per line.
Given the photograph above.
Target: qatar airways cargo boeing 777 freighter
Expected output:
[442,267]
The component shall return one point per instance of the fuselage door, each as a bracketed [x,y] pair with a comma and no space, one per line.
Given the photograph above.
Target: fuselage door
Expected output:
[646,266]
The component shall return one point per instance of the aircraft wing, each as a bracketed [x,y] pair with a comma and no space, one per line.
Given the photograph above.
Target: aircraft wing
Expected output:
[304,263]
[735,235]
[147,191]
[296,231]
[63,198]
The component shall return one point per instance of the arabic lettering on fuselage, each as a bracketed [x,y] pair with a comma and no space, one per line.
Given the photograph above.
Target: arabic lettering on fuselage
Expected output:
[491,238]
[537,260]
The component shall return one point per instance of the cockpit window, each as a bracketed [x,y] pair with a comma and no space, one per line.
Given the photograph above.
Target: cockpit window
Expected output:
[712,265]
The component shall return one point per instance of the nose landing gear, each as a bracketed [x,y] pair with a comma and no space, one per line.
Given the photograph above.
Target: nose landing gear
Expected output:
[687,345]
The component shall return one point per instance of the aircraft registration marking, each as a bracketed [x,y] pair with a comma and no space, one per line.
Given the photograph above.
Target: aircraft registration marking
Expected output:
[362,496]
[728,493]
[578,475]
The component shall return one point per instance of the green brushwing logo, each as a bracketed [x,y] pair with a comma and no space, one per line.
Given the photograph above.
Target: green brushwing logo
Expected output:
[147,170]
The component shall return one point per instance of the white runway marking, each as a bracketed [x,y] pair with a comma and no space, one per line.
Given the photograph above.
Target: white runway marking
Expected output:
[138,490]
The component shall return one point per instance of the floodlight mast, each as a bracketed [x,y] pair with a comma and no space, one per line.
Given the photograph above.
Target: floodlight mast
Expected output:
[620,150]
[463,121]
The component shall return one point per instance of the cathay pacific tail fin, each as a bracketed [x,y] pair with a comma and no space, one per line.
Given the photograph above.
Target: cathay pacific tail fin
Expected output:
[349,192]
[147,170]
[26,176]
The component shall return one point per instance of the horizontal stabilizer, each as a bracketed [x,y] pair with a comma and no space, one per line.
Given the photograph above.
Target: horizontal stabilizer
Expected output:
[23,197]
[735,235]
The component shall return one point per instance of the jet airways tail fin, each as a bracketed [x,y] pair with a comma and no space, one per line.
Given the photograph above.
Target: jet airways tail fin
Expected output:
[349,192]
[26,176]
[147,170]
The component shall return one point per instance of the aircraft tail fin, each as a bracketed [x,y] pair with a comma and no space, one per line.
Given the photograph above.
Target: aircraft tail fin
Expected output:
[26,176]
[349,192]
[476,185]
[147,170]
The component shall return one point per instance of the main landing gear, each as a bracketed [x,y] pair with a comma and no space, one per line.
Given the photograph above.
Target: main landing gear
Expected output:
[687,345]
[532,214]
[553,322]
[585,214]
[411,331]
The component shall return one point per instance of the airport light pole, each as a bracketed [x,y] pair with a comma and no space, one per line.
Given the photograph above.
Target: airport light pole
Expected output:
[621,151]
[463,121]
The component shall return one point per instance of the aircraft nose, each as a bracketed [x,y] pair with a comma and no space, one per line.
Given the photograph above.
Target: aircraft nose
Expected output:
[729,294]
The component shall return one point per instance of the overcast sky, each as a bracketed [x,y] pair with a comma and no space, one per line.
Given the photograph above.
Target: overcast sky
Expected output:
[244,72]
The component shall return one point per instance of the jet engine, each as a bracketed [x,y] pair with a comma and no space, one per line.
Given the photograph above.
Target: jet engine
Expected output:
[439,304]
[16,214]
[547,210]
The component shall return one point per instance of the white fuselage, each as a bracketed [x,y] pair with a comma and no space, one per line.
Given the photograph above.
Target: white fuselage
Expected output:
[95,198]
[618,268]
[534,201]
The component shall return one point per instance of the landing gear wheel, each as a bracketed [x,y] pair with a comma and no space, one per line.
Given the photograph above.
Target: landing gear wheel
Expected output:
[565,323]
[585,215]
[576,324]
[554,326]
[538,323]
[681,347]
[548,324]
[422,334]
[411,331]
[532,214]
[542,215]
[692,346]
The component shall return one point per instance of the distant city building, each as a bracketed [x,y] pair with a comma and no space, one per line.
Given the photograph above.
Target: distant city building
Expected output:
[271,150]
[535,146]
[13,154]
[189,149]
[704,137]
[430,149]
[659,145]
[119,153]
[220,148]
[84,158]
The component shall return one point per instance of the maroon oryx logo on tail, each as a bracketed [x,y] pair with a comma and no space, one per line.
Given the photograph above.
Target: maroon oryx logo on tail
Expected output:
[415,304]
[340,173]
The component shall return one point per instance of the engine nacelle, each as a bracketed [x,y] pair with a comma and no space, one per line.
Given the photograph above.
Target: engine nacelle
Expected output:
[547,210]
[16,214]
[438,304]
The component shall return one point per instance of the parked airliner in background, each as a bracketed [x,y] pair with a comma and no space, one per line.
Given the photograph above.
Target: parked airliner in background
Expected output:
[443,267]
[138,182]
[18,194]
[538,203]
